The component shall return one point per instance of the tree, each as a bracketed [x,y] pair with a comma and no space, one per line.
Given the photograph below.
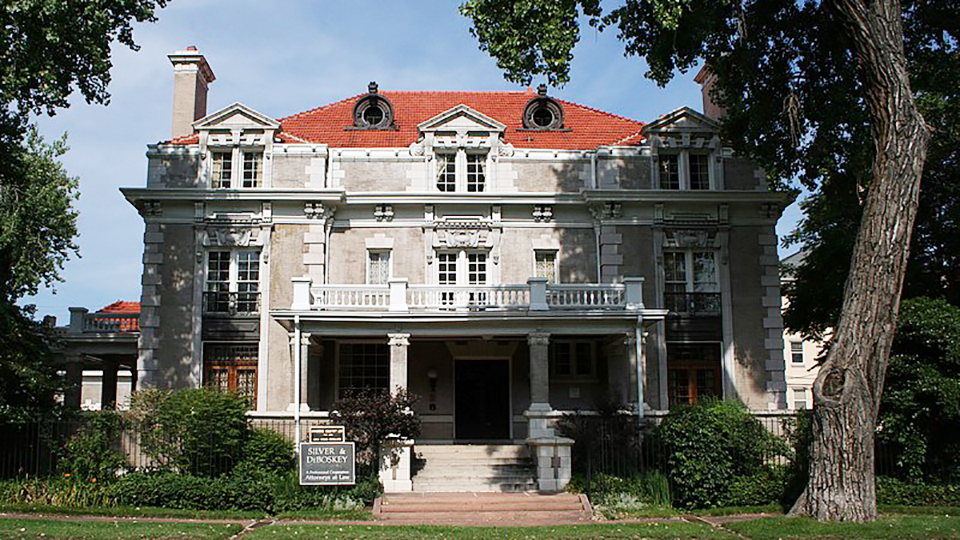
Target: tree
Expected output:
[784,76]
[51,48]
[372,418]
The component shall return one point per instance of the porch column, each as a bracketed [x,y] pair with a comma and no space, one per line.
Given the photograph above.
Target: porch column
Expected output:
[108,385]
[398,361]
[304,371]
[628,379]
[539,371]
[618,371]
[71,394]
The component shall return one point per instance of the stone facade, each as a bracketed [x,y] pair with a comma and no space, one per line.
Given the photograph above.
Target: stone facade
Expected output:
[499,270]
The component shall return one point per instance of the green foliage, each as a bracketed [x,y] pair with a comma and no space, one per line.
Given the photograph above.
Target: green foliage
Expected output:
[892,491]
[267,451]
[93,453]
[65,490]
[194,431]
[373,418]
[610,427]
[650,489]
[710,445]
[920,409]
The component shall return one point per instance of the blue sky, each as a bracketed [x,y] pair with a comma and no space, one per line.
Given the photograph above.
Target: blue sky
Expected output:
[280,59]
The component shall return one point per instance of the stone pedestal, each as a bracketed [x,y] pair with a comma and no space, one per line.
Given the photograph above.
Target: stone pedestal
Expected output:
[554,463]
[398,361]
[395,466]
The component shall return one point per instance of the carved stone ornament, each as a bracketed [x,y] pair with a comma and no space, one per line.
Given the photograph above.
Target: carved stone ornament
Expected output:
[317,211]
[416,149]
[462,234]
[232,237]
[505,149]
[690,238]
[383,212]
[542,213]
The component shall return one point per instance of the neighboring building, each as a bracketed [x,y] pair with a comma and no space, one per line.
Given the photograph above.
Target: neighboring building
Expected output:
[504,255]
[800,356]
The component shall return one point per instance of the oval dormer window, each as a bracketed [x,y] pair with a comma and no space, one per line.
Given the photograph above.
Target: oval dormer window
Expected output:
[373,111]
[543,112]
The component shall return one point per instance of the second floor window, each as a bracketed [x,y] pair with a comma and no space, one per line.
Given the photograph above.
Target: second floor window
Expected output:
[796,352]
[378,267]
[252,169]
[233,282]
[222,170]
[461,172]
[690,281]
[545,265]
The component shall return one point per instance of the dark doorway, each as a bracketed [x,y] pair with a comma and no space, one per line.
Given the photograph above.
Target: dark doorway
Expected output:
[482,400]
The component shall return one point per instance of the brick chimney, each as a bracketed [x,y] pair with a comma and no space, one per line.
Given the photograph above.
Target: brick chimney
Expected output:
[191,75]
[705,79]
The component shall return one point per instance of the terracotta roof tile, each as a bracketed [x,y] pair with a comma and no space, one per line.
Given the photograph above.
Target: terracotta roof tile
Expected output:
[121,306]
[585,127]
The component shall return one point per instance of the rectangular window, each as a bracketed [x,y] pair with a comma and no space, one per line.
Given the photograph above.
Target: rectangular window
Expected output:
[363,367]
[799,398]
[378,267]
[573,358]
[675,271]
[252,169]
[545,265]
[476,163]
[796,352]
[447,275]
[222,170]
[705,272]
[477,268]
[691,282]
[232,282]
[447,172]
[699,171]
[232,368]
[669,171]
[693,372]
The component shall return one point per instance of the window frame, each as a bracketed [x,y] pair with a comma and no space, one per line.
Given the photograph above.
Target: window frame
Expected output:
[462,266]
[794,352]
[461,161]
[804,401]
[232,366]
[339,388]
[537,252]
[238,166]
[233,280]
[684,169]
[573,374]
[380,252]
[689,258]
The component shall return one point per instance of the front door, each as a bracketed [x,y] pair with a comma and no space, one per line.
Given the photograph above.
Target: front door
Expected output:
[482,400]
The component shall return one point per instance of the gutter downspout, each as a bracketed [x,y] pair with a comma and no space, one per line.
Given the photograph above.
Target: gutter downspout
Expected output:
[297,360]
[638,343]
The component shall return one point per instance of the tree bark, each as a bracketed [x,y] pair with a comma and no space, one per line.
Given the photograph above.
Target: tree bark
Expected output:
[846,393]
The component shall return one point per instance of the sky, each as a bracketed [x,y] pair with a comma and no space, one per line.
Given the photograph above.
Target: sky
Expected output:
[281,58]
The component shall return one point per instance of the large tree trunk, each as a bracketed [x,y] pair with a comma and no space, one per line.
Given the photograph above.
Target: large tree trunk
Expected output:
[846,393]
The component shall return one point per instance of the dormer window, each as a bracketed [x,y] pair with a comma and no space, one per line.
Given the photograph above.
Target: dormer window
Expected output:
[373,111]
[543,112]
[461,171]
[684,170]
[223,173]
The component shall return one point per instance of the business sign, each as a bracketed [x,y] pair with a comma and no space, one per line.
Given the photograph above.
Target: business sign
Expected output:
[328,464]
[327,434]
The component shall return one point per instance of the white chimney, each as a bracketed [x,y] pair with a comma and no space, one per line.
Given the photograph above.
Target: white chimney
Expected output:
[191,75]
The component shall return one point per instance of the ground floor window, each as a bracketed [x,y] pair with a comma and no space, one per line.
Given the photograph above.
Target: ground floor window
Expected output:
[693,372]
[363,367]
[232,367]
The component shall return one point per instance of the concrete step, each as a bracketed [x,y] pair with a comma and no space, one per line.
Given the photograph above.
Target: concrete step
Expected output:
[465,487]
[487,518]
[485,450]
[474,508]
[531,506]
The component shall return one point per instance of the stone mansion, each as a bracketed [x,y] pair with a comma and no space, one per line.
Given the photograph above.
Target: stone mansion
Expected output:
[502,255]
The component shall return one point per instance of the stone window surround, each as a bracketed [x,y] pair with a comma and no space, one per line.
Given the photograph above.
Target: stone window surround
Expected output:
[463,265]
[461,169]
[233,280]
[237,167]
[683,164]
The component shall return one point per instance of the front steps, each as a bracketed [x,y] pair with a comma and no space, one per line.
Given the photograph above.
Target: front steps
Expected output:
[475,468]
[472,509]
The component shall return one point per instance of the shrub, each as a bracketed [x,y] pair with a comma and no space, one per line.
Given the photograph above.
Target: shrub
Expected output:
[62,491]
[709,445]
[93,453]
[195,431]
[651,489]
[266,451]
[609,428]
[374,417]
[897,492]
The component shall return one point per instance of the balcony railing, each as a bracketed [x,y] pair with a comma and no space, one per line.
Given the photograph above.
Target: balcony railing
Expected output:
[692,303]
[84,322]
[231,303]
[535,295]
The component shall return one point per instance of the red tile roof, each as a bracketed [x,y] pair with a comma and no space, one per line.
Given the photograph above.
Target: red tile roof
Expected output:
[121,306]
[585,127]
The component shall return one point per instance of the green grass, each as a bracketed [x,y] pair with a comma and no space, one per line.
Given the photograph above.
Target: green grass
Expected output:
[374,532]
[98,530]
[919,527]
[129,511]
[326,515]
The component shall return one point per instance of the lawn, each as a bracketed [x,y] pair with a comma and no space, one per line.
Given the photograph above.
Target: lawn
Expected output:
[652,531]
[888,526]
[113,530]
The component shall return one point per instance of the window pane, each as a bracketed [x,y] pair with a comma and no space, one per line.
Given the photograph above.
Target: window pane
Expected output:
[233,368]
[678,386]
[252,169]
[364,366]
[447,172]
[563,362]
[584,358]
[222,170]
[248,281]
[447,268]
[546,265]
[705,272]
[799,398]
[699,171]
[669,171]
[477,268]
[476,178]
[796,352]
[378,267]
